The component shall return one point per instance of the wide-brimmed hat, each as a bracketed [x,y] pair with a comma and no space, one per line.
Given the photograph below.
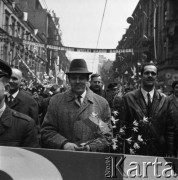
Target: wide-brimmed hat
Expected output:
[78,66]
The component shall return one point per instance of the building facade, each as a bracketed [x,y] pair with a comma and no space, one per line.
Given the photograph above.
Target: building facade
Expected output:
[153,36]
[25,31]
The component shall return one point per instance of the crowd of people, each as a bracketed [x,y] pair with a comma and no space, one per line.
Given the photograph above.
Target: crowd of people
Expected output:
[79,118]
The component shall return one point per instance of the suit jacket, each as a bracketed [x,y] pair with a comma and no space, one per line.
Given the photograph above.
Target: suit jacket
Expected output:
[17,129]
[67,120]
[174,115]
[158,132]
[24,103]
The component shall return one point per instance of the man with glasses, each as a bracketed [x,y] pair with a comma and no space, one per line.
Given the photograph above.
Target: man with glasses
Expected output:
[78,119]
[146,113]
[16,129]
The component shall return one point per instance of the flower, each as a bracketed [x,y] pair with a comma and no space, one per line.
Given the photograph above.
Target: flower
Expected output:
[129,140]
[115,113]
[127,134]
[140,138]
[135,129]
[135,123]
[93,114]
[136,146]
[114,126]
[114,120]
[132,151]
[122,131]
[145,119]
[114,145]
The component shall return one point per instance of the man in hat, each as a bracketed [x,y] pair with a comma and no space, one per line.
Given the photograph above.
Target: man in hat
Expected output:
[96,85]
[78,119]
[16,129]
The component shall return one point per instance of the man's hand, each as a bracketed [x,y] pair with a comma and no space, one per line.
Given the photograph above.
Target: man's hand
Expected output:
[70,146]
[83,148]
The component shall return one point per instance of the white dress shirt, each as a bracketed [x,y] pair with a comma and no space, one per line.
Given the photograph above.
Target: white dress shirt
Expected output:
[13,95]
[145,95]
[82,96]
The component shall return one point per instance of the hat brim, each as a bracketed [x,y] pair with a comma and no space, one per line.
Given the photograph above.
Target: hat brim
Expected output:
[78,72]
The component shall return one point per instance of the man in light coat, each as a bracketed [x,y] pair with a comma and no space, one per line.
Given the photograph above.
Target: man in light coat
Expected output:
[78,119]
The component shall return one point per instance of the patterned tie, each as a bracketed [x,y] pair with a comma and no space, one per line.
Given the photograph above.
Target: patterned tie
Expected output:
[79,99]
[149,105]
[10,99]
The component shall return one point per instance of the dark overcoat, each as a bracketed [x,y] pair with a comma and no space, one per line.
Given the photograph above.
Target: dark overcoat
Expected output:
[17,129]
[66,120]
[158,132]
[24,103]
[174,115]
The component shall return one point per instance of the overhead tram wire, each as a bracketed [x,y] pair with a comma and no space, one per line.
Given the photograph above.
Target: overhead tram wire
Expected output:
[100,29]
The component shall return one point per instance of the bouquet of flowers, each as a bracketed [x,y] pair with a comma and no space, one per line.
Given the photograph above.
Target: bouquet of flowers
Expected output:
[134,141]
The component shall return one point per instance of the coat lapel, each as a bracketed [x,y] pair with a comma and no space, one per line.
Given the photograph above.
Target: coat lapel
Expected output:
[173,100]
[140,102]
[87,101]
[157,102]
[5,120]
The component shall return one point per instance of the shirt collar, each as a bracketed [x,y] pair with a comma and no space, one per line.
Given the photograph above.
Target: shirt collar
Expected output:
[145,93]
[83,95]
[15,94]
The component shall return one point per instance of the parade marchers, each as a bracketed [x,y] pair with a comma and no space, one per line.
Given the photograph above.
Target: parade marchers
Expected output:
[70,118]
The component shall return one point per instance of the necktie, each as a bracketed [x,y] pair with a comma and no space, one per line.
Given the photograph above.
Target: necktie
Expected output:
[79,99]
[10,98]
[148,105]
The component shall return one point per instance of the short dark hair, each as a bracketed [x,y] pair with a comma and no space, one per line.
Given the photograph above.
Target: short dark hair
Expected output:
[174,84]
[94,76]
[112,85]
[148,64]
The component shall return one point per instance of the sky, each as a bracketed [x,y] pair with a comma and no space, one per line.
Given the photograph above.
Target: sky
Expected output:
[80,22]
